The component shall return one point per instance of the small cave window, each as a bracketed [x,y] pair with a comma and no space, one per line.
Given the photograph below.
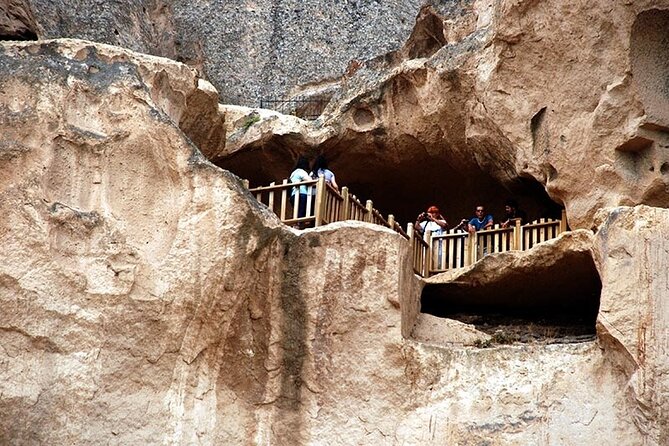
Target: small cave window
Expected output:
[556,303]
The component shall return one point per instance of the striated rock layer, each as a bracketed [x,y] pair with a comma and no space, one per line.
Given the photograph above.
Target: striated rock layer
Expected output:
[149,299]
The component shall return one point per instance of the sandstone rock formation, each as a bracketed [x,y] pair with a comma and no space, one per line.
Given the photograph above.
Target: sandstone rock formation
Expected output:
[183,98]
[149,299]
[17,21]
[516,103]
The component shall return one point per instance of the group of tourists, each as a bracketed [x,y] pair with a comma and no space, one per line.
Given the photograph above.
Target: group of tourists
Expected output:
[433,221]
[303,172]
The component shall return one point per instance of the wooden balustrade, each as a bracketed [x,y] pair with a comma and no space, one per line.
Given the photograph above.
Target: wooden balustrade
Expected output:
[334,205]
[539,231]
[356,211]
[419,251]
[494,240]
[327,205]
[458,249]
[431,253]
[449,250]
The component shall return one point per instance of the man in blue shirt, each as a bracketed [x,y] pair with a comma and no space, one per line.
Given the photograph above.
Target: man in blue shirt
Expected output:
[480,220]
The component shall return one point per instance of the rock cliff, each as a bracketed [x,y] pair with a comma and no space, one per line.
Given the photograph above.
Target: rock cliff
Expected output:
[149,299]
[514,103]
[248,50]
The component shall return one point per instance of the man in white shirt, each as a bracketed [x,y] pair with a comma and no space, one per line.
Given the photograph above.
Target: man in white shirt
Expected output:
[431,221]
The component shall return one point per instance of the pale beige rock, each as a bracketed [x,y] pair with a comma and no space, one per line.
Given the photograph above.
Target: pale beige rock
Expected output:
[441,331]
[150,300]
[116,279]
[632,255]
[573,97]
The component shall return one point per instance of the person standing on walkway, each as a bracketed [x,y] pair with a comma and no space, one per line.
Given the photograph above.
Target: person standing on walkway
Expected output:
[512,213]
[432,221]
[319,168]
[480,220]
[301,192]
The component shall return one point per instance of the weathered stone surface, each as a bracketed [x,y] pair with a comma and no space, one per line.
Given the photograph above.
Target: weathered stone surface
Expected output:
[632,255]
[17,21]
[149,299]
[248,50]
[446,332]
[172,87]
[140,25]
[518,99]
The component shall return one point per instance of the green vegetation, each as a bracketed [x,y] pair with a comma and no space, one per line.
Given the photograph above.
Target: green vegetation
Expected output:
[250,120]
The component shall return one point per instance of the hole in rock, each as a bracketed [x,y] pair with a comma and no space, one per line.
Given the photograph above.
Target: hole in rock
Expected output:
[664,168]
[550,302]
[634,162]
[20,34]
[427,36]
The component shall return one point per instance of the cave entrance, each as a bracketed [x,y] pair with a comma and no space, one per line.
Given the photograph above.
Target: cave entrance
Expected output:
[403,188]
[556,302]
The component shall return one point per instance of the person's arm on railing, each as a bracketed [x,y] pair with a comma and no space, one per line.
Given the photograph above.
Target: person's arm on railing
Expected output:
[462,225]
[490,222]
[333,183]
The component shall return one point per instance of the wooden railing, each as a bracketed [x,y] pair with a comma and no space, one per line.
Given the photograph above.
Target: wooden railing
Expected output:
[420,250]
[327,205]
[431,253]
[458,249]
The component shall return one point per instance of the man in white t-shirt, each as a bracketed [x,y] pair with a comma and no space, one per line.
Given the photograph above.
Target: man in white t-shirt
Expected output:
[431,221]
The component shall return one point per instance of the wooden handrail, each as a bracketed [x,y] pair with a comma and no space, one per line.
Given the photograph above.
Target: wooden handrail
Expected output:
[431,253]
[458,249]
[274,186]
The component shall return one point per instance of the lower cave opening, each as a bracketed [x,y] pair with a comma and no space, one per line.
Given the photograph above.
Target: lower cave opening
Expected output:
[548,304]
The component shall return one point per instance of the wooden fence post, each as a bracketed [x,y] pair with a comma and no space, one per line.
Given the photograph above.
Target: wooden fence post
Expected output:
[563,222]
[517,236]
[320,201]
[284,200]
[245,183]
[370,211]
[411,245]
[427,259]
[346,204]
[470,249]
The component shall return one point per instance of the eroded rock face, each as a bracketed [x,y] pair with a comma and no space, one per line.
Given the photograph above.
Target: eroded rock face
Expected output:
[111,239]
[149,299]
[576,104]
[140,25]
[249,51]
[173,88]
[632,253]
[17,21]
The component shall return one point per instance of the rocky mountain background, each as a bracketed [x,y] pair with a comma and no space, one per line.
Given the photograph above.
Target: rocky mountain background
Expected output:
[147,298]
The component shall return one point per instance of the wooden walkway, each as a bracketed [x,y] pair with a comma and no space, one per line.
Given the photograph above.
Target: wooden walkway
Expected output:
[454,249]
[431,254]
[327,206]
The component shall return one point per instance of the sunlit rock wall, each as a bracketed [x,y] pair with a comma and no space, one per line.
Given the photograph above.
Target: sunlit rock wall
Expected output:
[149,299]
